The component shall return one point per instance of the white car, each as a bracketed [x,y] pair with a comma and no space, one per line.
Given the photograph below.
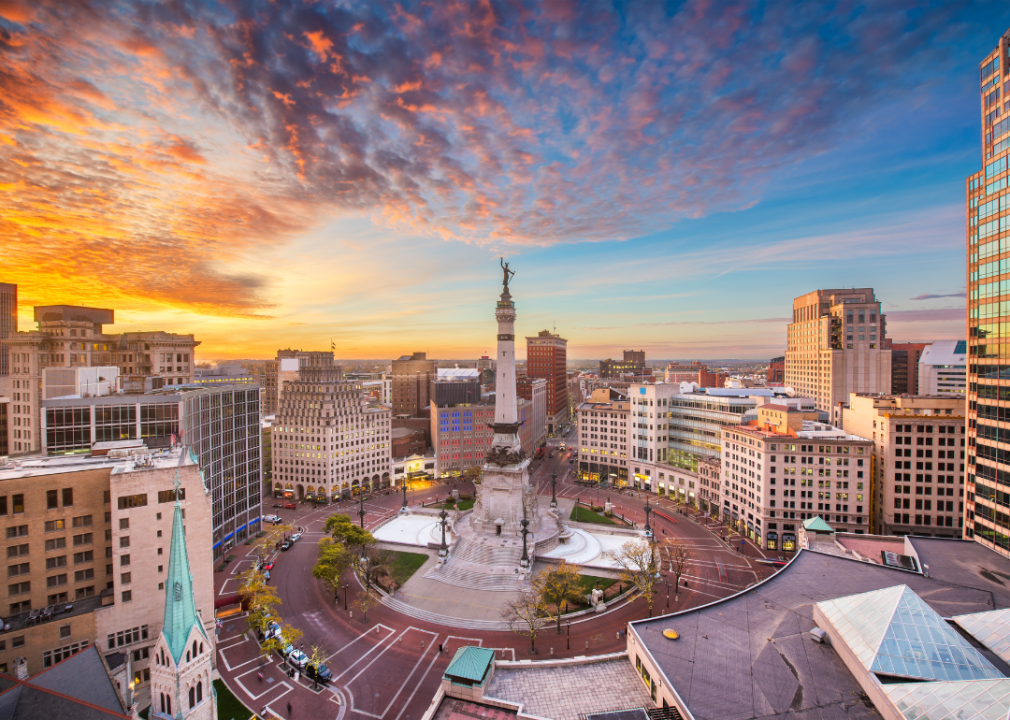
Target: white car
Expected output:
[274,630]
[297,658]
[271,519]
[295,537]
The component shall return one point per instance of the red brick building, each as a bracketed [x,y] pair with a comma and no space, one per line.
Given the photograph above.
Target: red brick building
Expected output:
[547,358]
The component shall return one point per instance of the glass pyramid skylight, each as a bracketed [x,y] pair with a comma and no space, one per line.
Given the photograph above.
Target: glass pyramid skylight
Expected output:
[974,700]
[991,628]
[893,632]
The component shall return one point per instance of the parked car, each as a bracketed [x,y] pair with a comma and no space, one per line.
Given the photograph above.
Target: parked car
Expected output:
[320,673]
[286,545]
[295,537]
[266,575]
[273,630]
[268,567]
[275,519]
[278,505]
[290,506]
[296,657]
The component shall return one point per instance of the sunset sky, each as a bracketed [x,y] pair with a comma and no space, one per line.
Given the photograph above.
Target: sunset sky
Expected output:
[663,176]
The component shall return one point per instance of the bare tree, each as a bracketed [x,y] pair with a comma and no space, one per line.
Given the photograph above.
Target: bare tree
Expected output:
[365,601]
[526,615]
[638,565]
[677,554]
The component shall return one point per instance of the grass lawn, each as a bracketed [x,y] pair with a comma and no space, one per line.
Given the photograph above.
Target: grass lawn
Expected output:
[465,504]
[404,565]
[582,514]
[228,706]
[589,582]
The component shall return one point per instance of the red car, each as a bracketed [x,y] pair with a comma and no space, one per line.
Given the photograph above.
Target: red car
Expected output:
[268,566]
[290,506]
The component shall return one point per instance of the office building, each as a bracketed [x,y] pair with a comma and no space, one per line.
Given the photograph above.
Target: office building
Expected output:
[455,386]
[943,368]
[328,441]
[80,381]
[412,375]
[535,391]
[220,424]
[276,371]
[710,485]
[5,412]
[695,372]
[70,337]
[905,366]
[776,371]
[632,364]
[836,346]
[8,322]
[918,461]
[603,438]
[461,436]
[987,200]
[89,548]
[547,358]
[786,467]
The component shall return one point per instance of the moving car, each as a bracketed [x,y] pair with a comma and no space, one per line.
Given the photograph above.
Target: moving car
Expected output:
[295,537]
[278,505]
[268,567]
[286,545]
[319,673]
[290,506]
[275,519]
[296,657]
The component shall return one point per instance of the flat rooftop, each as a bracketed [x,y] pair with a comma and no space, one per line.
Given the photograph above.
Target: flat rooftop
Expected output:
[751,656]
[37,466]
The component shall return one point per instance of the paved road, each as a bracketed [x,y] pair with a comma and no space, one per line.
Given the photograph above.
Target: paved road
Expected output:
[389,667]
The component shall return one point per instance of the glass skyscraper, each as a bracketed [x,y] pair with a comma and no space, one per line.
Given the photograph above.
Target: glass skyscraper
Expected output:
[987,451]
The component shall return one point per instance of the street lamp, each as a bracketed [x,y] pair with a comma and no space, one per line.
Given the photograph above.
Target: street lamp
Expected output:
[443,549]
[404,506]
[524,561]
[361,511]
[554,482]
[648,511]
[344,588]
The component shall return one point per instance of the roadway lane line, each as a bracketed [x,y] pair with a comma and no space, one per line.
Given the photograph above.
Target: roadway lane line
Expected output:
[373,649]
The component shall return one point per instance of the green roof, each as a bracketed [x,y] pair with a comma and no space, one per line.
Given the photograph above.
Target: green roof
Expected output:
[470,663]
[180,604]
[815,524]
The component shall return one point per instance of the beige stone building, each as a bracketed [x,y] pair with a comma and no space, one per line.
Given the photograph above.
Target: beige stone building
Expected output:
[836,346]
[71,336]
[327,441]
[786,468]
[88,542]
[918,461]
[710,484]
[603,437]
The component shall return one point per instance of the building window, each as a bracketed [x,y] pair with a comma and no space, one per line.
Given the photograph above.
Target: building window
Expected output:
[19,504]
[132,501]
[68,497]
[52,499]
[127,595]
[55,525]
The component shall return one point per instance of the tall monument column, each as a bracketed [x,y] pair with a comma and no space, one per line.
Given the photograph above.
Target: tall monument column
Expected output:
[505,490]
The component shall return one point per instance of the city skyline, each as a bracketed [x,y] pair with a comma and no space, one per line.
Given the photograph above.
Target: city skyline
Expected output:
[650,189]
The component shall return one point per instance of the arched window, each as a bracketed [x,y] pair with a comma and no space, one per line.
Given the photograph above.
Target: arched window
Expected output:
[187,656]
[168,704]
[192,698]
[194,648]
[199,692]
[163,703]
[201,648]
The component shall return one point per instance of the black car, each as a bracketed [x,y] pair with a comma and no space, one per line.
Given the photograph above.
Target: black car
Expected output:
[286,545]
[319,673]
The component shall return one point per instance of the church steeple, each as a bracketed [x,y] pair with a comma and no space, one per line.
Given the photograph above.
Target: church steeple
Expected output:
[180,603]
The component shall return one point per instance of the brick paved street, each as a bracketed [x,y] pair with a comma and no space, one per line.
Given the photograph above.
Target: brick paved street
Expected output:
[389,667]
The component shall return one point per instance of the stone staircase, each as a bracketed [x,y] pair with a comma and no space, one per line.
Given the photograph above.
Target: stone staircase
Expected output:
[438,619]
[482,564]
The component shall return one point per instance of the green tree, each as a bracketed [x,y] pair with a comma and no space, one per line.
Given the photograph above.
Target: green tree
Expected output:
[334,559]
[561,585]
[316,659]
[526,613]
[260,599]
[638,563]
[343,530]
[272,535]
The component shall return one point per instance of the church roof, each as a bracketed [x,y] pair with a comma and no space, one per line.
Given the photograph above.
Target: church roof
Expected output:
[180,604]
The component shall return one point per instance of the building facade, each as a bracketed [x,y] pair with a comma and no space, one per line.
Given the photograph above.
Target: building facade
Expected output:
[776,374]
[603,438]
[987,518]
[786,451]
[455,386]
[905,367]
[710,485]
[94,533]
[695,372]
[462,436]
[276,371]
[534,390]
[8,322]
[220,424]
[547,358]
[633,363]
[836,346]
[70,336]
[918,461]
[411,378]
[328,441]
[943,369]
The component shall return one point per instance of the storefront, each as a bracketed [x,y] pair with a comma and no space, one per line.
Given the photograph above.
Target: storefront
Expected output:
[788,541]
[773,541]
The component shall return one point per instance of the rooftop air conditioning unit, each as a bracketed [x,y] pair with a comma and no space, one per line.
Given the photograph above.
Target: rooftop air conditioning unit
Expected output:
[818,635]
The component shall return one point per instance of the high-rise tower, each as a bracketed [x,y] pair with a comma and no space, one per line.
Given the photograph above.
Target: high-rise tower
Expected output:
[505,491]
[8,322]
[987,486]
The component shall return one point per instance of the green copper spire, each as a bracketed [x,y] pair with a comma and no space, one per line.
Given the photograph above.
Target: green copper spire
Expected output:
[180,604]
